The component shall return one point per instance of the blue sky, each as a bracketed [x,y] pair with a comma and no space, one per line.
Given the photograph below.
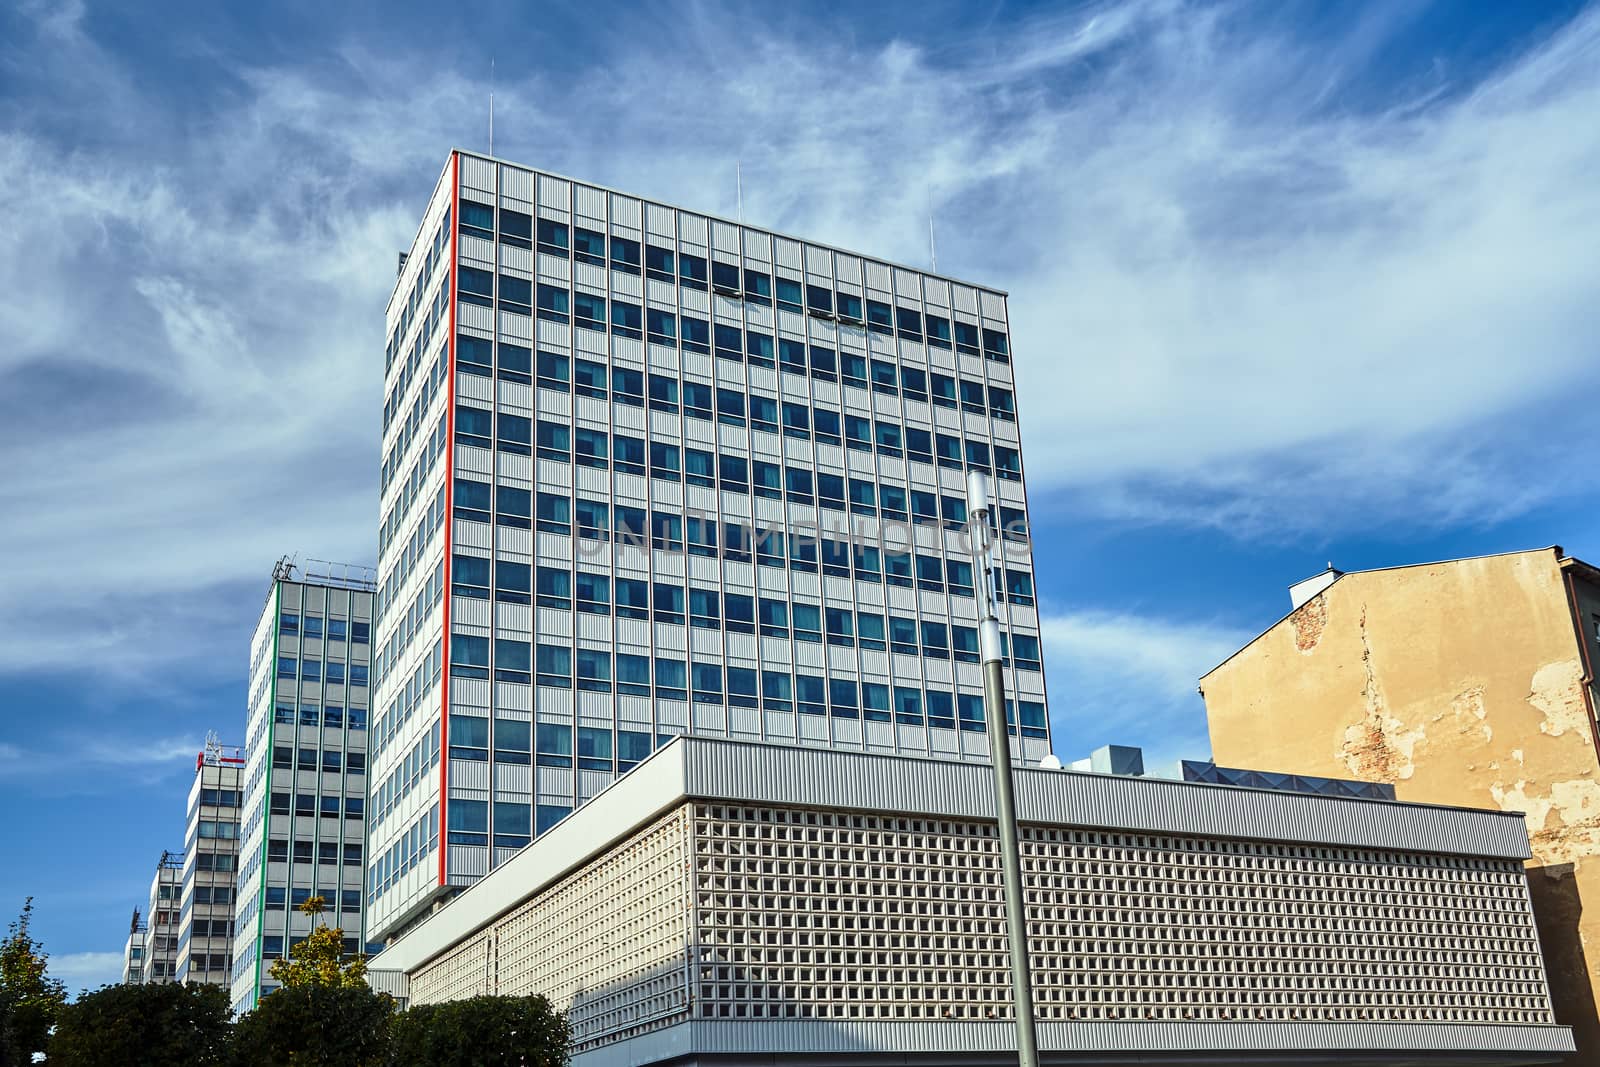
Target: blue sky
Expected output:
[1289,284]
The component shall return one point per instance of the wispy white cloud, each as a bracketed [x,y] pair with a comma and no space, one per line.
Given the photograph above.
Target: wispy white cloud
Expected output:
[1131,679]
[1238,299]
[86,970]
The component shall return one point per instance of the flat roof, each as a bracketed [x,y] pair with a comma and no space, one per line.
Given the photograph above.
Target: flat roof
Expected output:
[715,770]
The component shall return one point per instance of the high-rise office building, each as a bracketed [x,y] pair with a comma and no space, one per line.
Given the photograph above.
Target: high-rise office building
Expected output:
[210,864]
[647,472]
[133,950]
[159,957]
[305,771]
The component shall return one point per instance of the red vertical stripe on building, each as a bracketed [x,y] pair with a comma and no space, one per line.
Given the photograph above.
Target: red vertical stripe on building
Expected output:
[449,523]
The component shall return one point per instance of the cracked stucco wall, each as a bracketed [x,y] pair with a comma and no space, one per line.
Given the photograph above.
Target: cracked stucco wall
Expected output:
[1459,683]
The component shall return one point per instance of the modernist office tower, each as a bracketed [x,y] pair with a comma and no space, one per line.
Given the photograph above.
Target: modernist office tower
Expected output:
[158,960]
[649,473]
[305,778]
[210,865]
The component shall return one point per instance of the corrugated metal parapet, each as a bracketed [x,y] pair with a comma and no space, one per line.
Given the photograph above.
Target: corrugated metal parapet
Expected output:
[395,983]
[727,770]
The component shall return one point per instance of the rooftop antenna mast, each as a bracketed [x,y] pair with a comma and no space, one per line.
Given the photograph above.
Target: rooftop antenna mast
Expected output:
[738,185]
[491,105]
[933,249]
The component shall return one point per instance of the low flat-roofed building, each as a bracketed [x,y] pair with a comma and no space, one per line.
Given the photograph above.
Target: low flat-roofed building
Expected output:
[731,903]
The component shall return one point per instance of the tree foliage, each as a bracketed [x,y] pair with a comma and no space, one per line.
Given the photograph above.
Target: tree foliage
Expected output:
[484,1032]
[315,1026]
[117,1024]
[29,998]
[319,959]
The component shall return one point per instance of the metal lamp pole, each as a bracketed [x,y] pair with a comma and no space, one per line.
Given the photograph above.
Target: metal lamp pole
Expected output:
[1005,801]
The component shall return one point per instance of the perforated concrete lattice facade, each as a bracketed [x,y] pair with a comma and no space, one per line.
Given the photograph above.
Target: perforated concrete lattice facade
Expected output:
[709,904]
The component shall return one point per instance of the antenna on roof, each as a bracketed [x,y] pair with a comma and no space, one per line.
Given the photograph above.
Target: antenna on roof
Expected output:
[491,105]
[933,250]
[738,185]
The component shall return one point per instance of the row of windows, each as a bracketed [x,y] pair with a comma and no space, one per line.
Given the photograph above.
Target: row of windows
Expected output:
[331,807]
[336,899]
[562,667]
[519,435]
[211,928]
[220,831]
[807,552]
[586,377]
[213,894]
[728,279]
[286,758]
[513,828]
[324,852]
[311,670]
[664,602]
[414,767]
[220,798]
[311,626]
[332,716]
[435,253]
[415,844]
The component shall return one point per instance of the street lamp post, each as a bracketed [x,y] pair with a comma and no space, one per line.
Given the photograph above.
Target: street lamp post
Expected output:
[1005,801]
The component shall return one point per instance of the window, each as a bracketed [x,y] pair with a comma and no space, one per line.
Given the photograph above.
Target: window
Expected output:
[703,609]
[289,625]
[948,451]
[995,347]
[1007,463]
[875,701]
[477,219]
[633,598]
[477,286]
[930,575]
[697,400]
[849,307]
[825,425]
[287,666]
[966,338]
[469,737]
[589,378]
[696,334]
[335,673]
[954,509]
[667,603]
[730,407]
[897,568]
[888,439]
[511,828]
[941,709]
[594,593]
[630,525]
[671,679]
[742,688]
[884,377]
[764,413]
[766,479]
[919,444]
[908,322]
[863,497]
[554,371]
[516,294]
[935,640]
[843,699]
[830,491]
[964,642]
[512,582]
[511,661]
[594,671]
[624,255]
[515,434]
[555,745]
[692,271]
[547,815]
[807,622]
[977,455]
[589,246]
[729,341]
[810,694]
[707,679]
[594,748]
[553,588]
[943,389]
[310,670]
[633,675]
[725,278]
[475,355]
[468,822]
[627,320]
[554,441]
[554,666]
[819,300]
[972,397]
[658,263]
[1002,404]
[666,531]
[551,303]
[774,615]
[969,712]
[913,383]
[511,740]
[734,473]
[840,628]
[474,426]
[516,363]
[789,294]
[791,355]
[902,635]
[777,691]
[869,631]
[757,287]
[938,331]
[858,433]
[758,349]
[589,311]
[554,512]
[853,369]
[629,453]
[661,326]
[738,613]
[663,393]
[516,228]
[553,237]
[1018,586]
[1025,653]
[959,576]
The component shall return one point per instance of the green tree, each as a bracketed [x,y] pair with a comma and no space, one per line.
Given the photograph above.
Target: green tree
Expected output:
[315,1026]
[319,959]
[129,1024]
[29,997]
[482,1032]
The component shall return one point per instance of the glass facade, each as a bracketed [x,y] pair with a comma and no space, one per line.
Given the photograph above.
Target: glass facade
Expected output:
[649,473]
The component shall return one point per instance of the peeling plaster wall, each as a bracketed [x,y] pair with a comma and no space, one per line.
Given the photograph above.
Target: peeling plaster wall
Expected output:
[1459,683]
